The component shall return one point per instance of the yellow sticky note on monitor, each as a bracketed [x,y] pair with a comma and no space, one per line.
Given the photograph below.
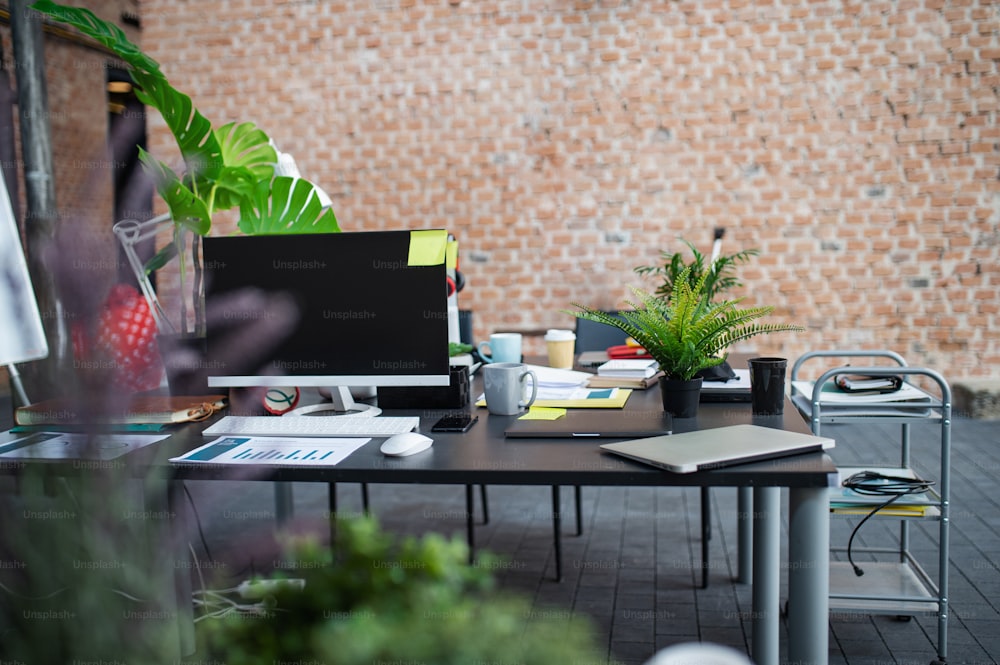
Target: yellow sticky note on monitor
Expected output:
[543,413]
[451,255]
[427,248]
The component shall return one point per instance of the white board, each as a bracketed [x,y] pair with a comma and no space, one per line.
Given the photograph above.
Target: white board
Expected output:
[22,336]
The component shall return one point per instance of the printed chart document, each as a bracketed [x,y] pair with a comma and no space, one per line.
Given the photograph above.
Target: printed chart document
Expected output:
[73,445]
[273,451]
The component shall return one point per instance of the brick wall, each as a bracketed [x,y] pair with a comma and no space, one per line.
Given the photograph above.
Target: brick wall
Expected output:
[564,143]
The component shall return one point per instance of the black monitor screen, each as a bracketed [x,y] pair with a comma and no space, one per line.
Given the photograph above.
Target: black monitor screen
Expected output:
[338,309]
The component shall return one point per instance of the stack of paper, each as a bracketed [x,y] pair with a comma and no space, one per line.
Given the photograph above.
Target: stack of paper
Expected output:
[831,394]
[549,377]
[631,368]
[562,388]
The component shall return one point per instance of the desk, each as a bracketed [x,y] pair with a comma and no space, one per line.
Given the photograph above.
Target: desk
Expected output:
[484,456]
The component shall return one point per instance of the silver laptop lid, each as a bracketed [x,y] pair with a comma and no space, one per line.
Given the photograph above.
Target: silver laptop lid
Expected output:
[718,447]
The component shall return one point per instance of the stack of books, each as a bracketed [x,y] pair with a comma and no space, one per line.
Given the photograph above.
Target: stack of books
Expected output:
[638,373]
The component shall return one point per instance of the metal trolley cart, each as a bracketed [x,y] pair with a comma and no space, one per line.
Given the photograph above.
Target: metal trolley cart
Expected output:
[894,583]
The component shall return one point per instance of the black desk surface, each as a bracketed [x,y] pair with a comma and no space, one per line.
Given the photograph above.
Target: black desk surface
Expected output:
[483,455]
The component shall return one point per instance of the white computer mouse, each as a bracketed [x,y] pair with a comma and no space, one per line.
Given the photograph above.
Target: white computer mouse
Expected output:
[407,443]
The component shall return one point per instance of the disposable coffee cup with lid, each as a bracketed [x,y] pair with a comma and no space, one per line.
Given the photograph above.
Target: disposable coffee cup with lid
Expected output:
[560,345]
[557,335]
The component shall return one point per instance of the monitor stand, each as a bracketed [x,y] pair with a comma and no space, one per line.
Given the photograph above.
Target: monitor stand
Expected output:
[341,404]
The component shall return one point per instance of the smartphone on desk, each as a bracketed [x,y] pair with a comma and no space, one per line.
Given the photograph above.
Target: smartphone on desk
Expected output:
[456,422]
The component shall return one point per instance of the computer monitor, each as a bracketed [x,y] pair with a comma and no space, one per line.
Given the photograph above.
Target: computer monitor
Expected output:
[370,308]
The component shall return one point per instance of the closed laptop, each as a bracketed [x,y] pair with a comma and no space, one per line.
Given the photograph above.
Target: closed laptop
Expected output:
[716,448]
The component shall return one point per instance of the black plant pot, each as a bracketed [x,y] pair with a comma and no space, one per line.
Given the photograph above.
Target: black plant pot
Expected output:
[680,398]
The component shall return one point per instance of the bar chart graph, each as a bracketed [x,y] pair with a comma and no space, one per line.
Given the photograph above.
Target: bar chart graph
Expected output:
[274,451]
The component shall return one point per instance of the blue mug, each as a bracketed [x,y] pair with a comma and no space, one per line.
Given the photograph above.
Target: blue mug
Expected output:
[504,348]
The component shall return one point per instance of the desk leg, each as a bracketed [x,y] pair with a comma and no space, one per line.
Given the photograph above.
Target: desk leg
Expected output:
[470,522]
[174,552]
[331,500]
[284,503]
[706,532]
[744,535]
[557,530]
[766,574]
[808,575]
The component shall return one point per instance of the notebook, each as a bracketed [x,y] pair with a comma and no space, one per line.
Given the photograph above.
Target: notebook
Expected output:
[734,390]
[594,424]
[135,409]
[716,448]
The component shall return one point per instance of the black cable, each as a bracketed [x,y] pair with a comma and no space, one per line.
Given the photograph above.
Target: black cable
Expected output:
[197,521]
[204,541]
[872,483]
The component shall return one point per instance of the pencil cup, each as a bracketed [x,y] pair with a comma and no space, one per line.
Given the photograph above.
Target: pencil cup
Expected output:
[767,386]
[506,385]
[560,345]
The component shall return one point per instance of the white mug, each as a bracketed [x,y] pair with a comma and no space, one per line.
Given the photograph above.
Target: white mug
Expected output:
[505,388]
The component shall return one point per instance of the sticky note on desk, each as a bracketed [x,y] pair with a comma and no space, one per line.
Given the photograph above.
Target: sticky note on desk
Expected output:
[543,413]
[427,248]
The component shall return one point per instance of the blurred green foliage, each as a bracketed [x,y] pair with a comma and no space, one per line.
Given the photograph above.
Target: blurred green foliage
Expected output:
[379,599]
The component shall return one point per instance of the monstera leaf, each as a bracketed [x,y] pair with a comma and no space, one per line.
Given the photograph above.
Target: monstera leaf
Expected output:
[286,205]
[247,158]
[224,168]
[108,34]
[192,131]
[186,208]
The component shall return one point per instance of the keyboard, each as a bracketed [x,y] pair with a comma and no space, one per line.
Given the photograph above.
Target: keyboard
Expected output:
[310,426]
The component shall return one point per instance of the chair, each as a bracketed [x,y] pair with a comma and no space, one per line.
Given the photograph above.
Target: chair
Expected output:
[594,336]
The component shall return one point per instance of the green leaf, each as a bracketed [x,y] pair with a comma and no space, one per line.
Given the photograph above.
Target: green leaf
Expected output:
[457,348]
[186,209]
[103,32]
[686,333]
[720,277]
[161,258]
[192,131]
[246,145]
[288,205]
[233,185]
[248,157]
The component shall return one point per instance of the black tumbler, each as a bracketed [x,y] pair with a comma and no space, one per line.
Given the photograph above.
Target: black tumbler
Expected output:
[767,385]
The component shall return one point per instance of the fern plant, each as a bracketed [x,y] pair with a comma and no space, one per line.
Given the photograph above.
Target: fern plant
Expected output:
[719,272]
[686,332]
